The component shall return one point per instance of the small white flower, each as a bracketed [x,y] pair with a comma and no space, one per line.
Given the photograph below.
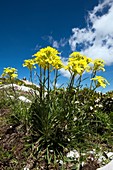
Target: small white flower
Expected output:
[77,155]
[61,162]
[91,152]
[75,118]
[91,108]
[79,109]
[73,154]
[26,168]
[96,105]
[70,154]
[10,96]
[83,163]
[92,159]
[51,151]
[97,100]
[100,105]
[65,127]
[76,102]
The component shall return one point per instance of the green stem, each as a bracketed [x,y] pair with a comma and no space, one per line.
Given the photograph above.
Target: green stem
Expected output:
[13,87]
[44,81]
[80,80]
[55,78]
[48,81]
[31,76]
[40,83]
[71,82]
[92,76]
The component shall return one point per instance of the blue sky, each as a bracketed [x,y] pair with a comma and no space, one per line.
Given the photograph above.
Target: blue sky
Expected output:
[72,25]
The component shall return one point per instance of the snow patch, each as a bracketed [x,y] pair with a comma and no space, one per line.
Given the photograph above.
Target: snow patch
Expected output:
[109,166]
[24,99]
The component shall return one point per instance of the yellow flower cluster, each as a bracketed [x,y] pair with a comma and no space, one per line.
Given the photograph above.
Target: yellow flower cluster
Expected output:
[30,64]
[10,72]
[101,81]
[47,57]
[78,63]
[98,65]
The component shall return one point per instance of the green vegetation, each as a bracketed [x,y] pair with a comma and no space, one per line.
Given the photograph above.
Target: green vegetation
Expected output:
[58,121]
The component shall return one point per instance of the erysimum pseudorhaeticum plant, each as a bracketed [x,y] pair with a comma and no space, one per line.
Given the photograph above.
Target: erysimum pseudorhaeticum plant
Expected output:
[77,65]
[8,76]
[10,73]
[48,60]
[47,107]
[19,110]
[59,117]
[98,65]
[100,81]
[30,64]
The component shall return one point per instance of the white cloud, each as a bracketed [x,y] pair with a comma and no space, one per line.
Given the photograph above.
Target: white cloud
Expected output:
[63,42]
[37,47]
[64,72]
[96,40]
[57,44]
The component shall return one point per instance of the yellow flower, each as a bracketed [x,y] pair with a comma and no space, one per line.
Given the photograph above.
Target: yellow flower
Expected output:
[10,72]
[101,81]
[78,63]
[14,75]
[30,64]
[98,65]
[79,56]
[76,55]
[48,57]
